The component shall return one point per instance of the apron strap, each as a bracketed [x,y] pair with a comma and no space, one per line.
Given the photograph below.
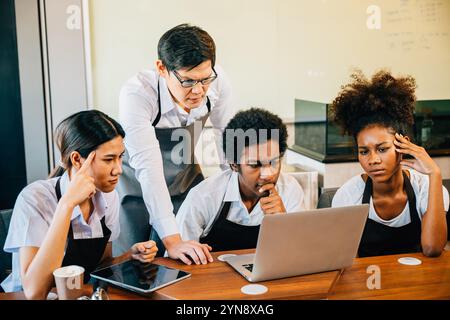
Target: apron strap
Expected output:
[58,189]
[411,199]
[58,197]
[368,190]
[158,116]
[208,104]
[224,211]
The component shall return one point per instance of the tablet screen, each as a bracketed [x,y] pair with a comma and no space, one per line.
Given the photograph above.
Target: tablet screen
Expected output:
[143,277]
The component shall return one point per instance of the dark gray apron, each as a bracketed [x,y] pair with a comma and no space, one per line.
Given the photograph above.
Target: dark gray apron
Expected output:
[226,235]
[180,178]
[379,239]
[87,253]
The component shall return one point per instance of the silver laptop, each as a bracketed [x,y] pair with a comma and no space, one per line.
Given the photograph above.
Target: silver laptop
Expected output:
[303,243]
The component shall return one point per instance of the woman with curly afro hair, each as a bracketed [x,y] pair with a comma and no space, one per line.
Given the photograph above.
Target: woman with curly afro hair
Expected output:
[407,201]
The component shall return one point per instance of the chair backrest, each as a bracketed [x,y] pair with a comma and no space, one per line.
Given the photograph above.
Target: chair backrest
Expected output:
[310,185]
[326,197]
[5,258]
[446,184]
[134,226]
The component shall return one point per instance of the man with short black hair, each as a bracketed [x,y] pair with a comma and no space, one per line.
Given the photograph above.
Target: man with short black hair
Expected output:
[226,210]
[185,88]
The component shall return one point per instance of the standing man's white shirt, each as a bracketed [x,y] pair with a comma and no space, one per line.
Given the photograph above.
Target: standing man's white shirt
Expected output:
[138,108]
[33,213]
[198,212]
[351,193]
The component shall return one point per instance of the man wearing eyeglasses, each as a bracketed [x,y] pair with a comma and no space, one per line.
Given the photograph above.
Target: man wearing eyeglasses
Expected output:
[184,90]
[226,209]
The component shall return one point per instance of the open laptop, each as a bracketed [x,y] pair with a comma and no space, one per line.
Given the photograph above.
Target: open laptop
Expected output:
[303,243]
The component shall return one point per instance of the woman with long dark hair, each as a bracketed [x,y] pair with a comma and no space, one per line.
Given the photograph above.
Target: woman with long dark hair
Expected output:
[72,217]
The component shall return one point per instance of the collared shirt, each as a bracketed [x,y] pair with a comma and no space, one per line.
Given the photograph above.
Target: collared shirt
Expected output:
[33,213]
[351,193]
[138,108]
[203,202]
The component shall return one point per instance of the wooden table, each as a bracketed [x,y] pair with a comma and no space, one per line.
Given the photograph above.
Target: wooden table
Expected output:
[219,281]
[430,280]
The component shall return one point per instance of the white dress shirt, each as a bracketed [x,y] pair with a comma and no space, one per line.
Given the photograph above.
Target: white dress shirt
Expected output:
[33,213]
[351,193]
[198,212]
[138,108]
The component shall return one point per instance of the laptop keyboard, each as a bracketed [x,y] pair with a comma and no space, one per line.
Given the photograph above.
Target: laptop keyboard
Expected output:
[249,266]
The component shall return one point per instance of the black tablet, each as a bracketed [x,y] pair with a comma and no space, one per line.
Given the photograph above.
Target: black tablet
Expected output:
[139,277]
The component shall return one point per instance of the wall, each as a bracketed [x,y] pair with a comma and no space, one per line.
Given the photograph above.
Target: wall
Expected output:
[276,51]
[32,90]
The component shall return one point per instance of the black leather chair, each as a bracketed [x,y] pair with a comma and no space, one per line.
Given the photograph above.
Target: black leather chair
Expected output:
[5,258]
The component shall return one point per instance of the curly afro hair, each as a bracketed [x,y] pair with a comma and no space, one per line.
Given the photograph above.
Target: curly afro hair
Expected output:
[259,120]
[383,100]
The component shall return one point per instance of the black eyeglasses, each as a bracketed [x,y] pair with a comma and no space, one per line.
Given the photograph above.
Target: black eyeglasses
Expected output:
[192,83]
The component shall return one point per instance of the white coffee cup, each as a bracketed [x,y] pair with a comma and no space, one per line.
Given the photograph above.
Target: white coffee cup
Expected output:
[69,282]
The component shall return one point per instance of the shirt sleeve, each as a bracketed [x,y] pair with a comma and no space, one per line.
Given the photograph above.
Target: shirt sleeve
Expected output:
[424,192]
[136,114]
[341,198]
[222,112]
[295,197]
[28,225]
[113,214]
[191,218]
